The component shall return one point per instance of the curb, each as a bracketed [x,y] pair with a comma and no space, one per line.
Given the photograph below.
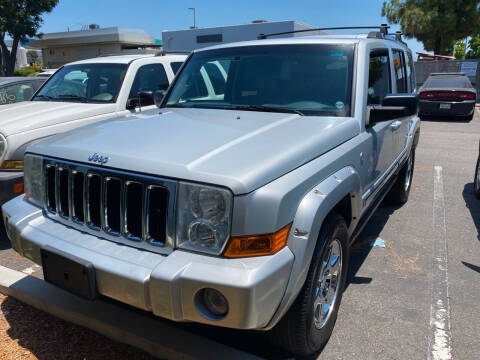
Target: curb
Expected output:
[157,337]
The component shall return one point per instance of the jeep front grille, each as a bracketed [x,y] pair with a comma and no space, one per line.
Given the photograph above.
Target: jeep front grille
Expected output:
[124,207]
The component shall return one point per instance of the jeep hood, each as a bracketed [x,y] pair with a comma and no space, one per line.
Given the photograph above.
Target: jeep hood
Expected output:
[28,115]
[241,150]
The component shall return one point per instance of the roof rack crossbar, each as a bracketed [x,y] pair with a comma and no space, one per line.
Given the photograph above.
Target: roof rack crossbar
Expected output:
[383,29]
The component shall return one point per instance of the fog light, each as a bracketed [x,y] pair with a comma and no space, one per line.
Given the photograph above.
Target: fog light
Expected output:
[215,304]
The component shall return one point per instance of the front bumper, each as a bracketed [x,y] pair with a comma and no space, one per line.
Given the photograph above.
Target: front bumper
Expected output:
[164,285]
[462,108]
[11,185]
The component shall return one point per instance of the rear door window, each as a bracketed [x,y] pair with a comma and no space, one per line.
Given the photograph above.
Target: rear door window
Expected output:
[176,66]
[399,71]
[410,71]
[378,76]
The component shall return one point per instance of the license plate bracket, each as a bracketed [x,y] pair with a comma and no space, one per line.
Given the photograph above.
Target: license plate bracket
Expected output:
[69,272]
[446,106]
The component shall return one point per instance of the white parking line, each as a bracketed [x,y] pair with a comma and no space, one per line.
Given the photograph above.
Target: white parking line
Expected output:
[439,339]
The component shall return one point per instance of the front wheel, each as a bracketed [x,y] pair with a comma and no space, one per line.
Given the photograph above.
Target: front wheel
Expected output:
[476,180]
[307,326]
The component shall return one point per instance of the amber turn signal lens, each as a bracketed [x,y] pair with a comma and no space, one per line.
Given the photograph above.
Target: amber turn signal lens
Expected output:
[12,165]
[18,188]
[257,245]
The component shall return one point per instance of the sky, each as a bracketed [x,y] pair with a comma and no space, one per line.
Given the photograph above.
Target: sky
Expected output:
[157,15]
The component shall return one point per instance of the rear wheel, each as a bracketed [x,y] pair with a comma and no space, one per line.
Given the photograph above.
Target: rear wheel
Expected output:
[401,189]
[307,326]
[476,181]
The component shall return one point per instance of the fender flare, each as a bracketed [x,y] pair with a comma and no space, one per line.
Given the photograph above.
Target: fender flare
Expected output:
[311,213]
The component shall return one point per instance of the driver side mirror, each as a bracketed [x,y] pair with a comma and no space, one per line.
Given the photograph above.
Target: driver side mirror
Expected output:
[393,106]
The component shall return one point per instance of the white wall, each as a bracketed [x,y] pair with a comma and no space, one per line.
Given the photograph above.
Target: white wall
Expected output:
[186,40]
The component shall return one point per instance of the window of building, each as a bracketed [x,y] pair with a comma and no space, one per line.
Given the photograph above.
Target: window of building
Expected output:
[214,38]
[378,76]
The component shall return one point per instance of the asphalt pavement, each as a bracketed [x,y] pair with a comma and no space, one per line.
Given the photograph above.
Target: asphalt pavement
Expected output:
[414,277]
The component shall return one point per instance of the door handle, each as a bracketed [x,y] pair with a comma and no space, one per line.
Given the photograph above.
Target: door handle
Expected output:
[395,125]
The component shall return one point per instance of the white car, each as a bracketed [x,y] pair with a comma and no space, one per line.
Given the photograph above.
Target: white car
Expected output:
[77,94]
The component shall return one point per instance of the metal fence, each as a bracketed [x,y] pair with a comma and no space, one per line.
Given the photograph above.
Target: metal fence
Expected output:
[424,68]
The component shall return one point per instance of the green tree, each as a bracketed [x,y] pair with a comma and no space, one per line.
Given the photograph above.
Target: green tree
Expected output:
[19,19]
[474,48]
[459,49]
[435,23]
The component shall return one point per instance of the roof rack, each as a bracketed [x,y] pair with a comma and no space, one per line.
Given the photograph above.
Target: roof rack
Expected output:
[383,30]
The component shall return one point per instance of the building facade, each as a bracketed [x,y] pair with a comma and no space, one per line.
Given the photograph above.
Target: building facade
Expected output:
[64,47]
[188,40]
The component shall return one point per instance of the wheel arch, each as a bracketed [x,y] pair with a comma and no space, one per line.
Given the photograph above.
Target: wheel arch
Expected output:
[341,193]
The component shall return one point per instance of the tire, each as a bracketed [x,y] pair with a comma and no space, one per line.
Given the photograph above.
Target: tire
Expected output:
[304,330]
[400,191]
[476,180]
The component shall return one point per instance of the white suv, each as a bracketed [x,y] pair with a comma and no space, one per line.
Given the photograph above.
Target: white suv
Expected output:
[77,94]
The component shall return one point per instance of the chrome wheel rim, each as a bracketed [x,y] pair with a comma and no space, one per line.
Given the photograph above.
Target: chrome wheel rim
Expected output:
[328,283]
[477,178]
[408,177]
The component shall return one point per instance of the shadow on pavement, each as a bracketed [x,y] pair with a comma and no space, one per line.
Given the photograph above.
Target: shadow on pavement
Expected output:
[473,205]
[362,246]
[471,266]
[47,337]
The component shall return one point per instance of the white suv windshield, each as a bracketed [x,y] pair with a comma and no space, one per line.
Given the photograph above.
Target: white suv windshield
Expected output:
[95,83]
[307,79]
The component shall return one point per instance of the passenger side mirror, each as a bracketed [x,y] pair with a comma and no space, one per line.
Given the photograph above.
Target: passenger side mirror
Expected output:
[393,106]
[158,96]
[145,97]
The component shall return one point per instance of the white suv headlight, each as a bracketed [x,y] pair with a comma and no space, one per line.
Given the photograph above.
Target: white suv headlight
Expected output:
[203,218]
[33,179]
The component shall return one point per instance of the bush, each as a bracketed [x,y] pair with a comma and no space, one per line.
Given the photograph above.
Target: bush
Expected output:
[31,70]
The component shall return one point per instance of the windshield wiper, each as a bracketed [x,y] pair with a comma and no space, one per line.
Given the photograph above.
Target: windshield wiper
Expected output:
[263,108]
[73,97]
[41,96]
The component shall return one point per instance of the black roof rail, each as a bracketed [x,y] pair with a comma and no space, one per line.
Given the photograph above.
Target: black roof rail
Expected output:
[383,29]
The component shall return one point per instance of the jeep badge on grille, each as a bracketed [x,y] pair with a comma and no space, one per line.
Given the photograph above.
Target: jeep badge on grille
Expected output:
[98,158]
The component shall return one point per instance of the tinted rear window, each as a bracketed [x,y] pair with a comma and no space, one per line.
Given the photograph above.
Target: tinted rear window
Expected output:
[461,82]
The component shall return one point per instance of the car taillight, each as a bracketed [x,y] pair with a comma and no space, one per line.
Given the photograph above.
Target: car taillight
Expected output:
[447,95]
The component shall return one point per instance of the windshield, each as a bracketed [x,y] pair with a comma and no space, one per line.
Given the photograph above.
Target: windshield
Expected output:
[307,79]
[95,83]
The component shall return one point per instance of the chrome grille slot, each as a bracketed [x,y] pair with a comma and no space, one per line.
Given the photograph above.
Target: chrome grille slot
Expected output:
[134,199]
[78,180]
[157,204]
[124,207]
[94,198]
[50,188]
[113,193]
[63,208]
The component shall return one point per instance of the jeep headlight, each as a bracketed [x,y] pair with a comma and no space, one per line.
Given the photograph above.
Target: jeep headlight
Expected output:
[203,218]
[33,179]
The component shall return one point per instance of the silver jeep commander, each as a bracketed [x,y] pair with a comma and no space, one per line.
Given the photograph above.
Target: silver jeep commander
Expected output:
[237,203]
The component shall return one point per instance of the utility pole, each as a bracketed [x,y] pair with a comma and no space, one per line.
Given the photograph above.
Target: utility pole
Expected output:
[194,18]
